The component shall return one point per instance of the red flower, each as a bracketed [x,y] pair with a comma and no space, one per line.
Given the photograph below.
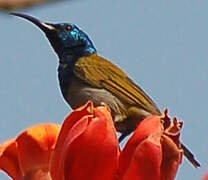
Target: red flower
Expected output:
[27,156]
[87,147]
[153,151]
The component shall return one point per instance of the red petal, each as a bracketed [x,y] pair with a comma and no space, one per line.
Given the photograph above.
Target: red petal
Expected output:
[57,164]
[146,162]
[172,157]
[142,153]
[172,152]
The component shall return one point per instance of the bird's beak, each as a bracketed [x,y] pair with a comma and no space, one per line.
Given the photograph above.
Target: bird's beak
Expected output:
[45,27]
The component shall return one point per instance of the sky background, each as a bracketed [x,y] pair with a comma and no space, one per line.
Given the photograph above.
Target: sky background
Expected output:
[162,45]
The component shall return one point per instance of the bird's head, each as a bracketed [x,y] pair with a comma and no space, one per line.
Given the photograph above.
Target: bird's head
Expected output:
[66,38]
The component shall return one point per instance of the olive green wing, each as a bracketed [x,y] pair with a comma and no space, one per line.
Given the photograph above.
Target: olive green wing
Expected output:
[101,73]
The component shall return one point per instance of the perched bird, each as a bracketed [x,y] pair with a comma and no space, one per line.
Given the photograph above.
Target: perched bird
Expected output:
[84,75]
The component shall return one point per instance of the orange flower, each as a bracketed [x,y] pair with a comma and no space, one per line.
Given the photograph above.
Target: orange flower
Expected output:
[27,156]
[87,147]
[153,152]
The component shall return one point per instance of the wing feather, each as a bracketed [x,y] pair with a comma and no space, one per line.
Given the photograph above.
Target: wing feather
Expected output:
[101,73]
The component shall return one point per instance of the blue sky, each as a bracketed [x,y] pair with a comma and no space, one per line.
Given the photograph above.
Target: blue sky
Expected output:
[162,45]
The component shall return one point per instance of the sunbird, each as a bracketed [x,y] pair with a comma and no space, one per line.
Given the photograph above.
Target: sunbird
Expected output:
[84,75]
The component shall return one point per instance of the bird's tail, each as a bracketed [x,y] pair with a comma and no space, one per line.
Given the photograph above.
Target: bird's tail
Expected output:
[190,156]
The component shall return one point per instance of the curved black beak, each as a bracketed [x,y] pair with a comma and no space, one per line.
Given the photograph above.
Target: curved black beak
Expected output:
[45,27]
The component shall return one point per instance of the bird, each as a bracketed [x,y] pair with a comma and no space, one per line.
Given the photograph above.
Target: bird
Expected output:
[86,76]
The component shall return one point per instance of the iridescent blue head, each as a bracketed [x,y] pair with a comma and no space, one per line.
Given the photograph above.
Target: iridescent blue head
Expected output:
[68,41]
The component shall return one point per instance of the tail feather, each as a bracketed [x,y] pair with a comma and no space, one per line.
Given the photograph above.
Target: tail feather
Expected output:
[190,156]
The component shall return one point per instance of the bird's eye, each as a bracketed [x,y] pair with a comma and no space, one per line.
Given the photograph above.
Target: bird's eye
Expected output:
[68,28]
